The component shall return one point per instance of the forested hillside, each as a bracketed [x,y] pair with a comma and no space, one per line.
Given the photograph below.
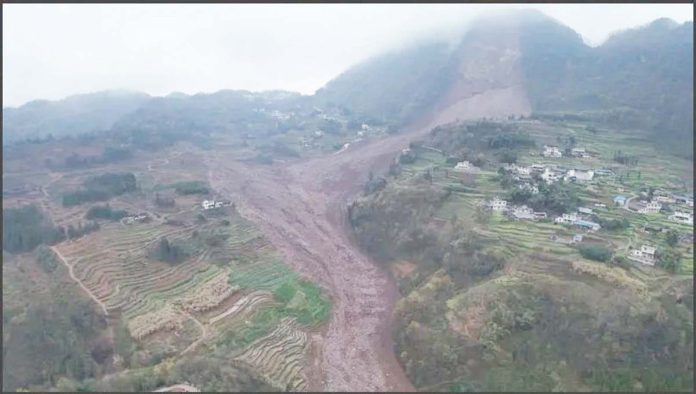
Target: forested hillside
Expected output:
[74,115]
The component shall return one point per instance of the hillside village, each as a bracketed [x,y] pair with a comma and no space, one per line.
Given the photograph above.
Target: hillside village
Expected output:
[659,202]
[607,206]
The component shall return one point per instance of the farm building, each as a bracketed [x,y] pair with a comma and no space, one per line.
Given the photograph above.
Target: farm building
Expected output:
[497,204]
[552,151]
[586,211]
[620,201]
[523,213]
[684,200]
[579,175]
[566,218]
[588,225]
[211,204]
[665,199]
[579,152]
[465,166]
[682,217]
[651,207]
[645,255]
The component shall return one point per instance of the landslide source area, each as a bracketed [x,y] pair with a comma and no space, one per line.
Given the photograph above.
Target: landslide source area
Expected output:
[301,207]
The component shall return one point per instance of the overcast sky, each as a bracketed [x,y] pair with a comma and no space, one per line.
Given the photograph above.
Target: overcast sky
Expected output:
[52,51]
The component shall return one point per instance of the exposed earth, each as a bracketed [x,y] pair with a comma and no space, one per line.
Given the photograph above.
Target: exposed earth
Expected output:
[301,206]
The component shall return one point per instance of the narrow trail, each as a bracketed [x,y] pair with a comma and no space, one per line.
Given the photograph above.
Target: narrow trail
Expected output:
[204,333]
[79,282]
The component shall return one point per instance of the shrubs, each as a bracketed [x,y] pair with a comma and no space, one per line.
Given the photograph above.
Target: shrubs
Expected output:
[303,301]
[191,187]
[169,252]
[47,260]
[595,252]
[26,227]
[105,212]
[101,188]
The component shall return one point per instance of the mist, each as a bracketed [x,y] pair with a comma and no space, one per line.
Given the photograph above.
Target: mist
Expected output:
[52,51]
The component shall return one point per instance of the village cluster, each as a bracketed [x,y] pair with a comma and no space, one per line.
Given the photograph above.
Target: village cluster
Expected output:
[677,208]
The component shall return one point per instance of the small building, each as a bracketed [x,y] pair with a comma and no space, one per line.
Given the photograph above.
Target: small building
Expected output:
[579,152]
[682,217]
[529,187]
[586,211]
[497,204]
[550,175]
[465,166]
[566,218]
[645,255]
[578,175]
[586,224]
[689,201]
[523,213]
[665,199]
[600,205]
[577,238]
[540,215]
[552,151]
[537,167]
[620,201]
[208,204]
[651,207]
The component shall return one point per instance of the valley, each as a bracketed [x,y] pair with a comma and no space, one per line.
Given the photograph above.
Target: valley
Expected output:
[489,214]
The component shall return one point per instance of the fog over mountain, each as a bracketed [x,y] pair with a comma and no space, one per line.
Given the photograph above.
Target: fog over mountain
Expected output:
[197,48]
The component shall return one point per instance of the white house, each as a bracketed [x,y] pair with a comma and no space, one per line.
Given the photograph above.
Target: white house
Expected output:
[682,217]
[465,166]
[579,175]
[567,218]
[550,176]
[552,151]
[497,204]
[208,204]
[645,255]
[523,212]
[528,186]
[519,170]
[600,205]
[651,207]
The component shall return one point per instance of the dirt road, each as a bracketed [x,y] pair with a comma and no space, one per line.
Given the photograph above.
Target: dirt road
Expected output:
[79,282]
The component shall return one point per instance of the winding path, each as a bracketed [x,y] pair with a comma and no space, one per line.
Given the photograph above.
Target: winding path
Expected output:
[79,282]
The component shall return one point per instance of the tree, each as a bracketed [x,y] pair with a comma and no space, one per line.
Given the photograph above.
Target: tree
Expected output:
[595,252]
[672,238]
[669,260]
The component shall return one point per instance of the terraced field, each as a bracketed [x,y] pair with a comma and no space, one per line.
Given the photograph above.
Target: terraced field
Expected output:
[278,357]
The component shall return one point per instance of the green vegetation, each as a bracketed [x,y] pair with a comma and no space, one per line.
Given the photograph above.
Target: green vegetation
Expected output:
[495,304]
[26,227]
[105,212]
[596,252]
[191,187]
[48,261]
[101,188]
[303,301]
[172,253]
[50,331]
